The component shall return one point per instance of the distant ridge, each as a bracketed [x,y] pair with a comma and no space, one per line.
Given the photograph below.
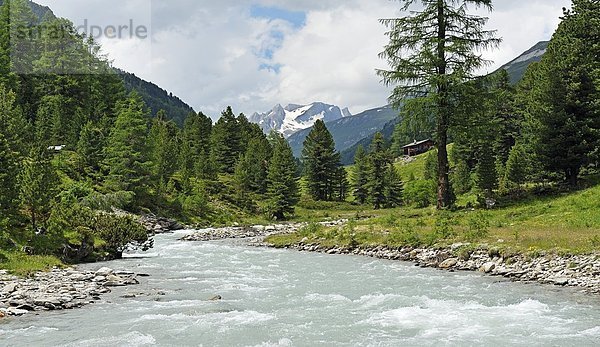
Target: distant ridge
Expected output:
[516,68]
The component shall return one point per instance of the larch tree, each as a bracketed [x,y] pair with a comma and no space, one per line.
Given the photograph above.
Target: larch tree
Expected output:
[126,153]
[431,53]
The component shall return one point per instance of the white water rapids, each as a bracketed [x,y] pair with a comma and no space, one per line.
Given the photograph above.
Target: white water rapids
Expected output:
[287,298]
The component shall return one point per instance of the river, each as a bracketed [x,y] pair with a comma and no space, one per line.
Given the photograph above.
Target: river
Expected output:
[286,298]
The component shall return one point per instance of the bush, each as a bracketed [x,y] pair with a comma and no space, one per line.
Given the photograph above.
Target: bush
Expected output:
[118,232]
[444,226]
[420,193]
[479,226]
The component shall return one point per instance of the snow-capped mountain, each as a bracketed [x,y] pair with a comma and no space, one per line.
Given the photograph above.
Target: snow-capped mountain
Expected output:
[293,118]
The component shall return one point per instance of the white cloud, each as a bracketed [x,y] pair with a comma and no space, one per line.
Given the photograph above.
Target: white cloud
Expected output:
[209,52]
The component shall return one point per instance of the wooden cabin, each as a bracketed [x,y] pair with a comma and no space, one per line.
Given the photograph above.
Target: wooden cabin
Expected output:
[418,147]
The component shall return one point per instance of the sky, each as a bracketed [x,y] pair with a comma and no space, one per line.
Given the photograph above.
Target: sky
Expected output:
[254,54]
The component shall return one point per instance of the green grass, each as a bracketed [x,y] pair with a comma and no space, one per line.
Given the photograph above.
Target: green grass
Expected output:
[415,168]
[568,223]
[560,222]
[21,264]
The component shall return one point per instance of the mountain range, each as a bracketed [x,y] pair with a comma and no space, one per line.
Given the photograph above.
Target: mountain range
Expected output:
[293,118]
[348,130]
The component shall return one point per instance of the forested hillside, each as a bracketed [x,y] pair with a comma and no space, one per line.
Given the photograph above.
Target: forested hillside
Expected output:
[156,98]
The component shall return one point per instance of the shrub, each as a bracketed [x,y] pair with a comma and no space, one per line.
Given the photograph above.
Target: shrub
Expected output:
[479,226]
[420,193]
[444,225]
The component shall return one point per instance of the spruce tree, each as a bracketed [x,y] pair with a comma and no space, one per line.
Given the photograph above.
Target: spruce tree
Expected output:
[163,148]
[569,125]
[257,160]
[38,184]
[515,173]
[487,177]
[341,184]
[378,162]
[126,153]
[360,176]
[282,190]
[394,187]
[321,162]
[226,142]
[432,52]
[14,134]
[90,150]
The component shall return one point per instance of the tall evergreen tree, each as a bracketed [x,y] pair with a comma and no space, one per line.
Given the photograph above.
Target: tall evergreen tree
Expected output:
[163,147]
[126,155]
[487,177]
[431,53]
[516,168]
[13,148]
[360,176]
[394,187]
[282,191]
[570,126]
[90,150]
[38,184]
[226,142]
[378,162]
[321,162]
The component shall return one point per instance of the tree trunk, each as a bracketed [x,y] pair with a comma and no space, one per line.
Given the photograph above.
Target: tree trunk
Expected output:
[442,116]
[572,176]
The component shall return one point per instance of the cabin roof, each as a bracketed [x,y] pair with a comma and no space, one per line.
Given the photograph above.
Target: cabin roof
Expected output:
[417,143]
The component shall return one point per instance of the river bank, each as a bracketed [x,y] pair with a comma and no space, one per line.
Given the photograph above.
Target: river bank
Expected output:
[578,271]
[58,289]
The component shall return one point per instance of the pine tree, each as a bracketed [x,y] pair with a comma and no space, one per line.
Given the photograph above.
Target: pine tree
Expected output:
[126,152]
[321,162]
[516,168]
[14,131]
[432,53]
[38,185]
[163,147]
[90,150]
[257,160]
[570,126]
[378,162]
[461,177]
[341,184]
[226,142]
[360,176]
[242,182]
[487,177]
[282,191]
[394,187]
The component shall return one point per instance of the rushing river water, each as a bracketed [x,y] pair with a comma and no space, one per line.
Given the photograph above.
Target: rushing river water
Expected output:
[286,298]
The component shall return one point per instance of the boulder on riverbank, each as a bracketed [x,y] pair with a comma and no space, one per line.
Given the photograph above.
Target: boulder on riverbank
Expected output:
[58,289]
[159,225]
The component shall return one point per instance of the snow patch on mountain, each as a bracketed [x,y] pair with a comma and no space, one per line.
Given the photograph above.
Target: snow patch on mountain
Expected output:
[293,118]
